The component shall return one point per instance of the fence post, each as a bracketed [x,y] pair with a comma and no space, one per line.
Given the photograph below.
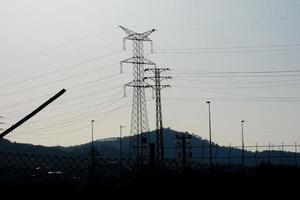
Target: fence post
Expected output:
[269,153]
[282,150]
[216,155]
[93,167]
[203,151]
[229,154]
[296,161]
[152,154]
[255,155]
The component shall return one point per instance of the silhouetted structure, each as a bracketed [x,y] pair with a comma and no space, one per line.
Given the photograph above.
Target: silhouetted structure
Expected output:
[23,120]
[210,141]
[243,143]
[45,171]
[183,147]
[139,118]
[157,86]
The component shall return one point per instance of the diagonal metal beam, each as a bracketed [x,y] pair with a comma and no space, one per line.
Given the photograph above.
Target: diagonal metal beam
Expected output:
[30,115]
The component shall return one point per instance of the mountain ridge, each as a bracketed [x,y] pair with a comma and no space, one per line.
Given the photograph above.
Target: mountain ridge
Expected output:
[110,148]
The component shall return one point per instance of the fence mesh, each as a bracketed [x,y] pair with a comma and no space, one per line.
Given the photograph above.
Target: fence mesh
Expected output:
[20,169]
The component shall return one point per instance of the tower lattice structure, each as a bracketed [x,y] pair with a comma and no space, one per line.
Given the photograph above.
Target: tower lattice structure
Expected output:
[158,86]
[139,119]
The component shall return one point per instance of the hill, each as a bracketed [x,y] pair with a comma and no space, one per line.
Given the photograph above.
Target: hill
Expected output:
[110,148]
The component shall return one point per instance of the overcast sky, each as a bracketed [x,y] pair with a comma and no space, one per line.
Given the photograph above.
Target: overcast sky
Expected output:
[243,55]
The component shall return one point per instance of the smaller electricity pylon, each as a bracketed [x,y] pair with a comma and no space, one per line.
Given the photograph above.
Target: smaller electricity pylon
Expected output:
[157,87]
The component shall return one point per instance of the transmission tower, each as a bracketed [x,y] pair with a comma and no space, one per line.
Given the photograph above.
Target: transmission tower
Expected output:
[1,123]
[139,118]
[157,86]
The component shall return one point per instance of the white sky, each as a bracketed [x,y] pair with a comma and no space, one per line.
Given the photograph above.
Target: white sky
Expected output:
[49,45]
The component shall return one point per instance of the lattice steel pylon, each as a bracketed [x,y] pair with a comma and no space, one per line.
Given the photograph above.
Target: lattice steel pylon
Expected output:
[139,118]
[158,86]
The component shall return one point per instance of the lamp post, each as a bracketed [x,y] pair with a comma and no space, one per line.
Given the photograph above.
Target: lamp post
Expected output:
[121,144]
[92,154]
[92,124]
[210,144]
[243,144]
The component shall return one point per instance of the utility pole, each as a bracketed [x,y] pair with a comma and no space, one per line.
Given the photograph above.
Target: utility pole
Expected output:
[121,144]
[92,125]
[157,86]
[243,144]
[92,154]
[210,143]
[139,118]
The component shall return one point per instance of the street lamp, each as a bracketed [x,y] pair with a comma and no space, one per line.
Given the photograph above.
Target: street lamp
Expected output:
[92,123]
[210,144]
[121,143]
[92,154]
[243,143]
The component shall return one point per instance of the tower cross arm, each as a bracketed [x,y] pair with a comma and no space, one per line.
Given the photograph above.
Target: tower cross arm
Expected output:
[157,69]
[147,33]
[161,86]
[160,78]
[126,30]
[144,36]
[131,35]
[134,60]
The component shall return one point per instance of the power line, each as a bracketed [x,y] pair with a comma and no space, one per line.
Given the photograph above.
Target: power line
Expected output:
[229,29]
[126,106]
[60,135]
[103,80]
[239,72]
[276,72]
[237,86]
[26,101]
[57,61]
[253,85]
[162,26]
[56,106]
[275,99]
[239,82]
[93,83]
[59,45]
[236,21]
[69,122]
[225,88]
[60,70]
[265,87]
[217,90]
[107,104]
[75,121]
[76,110]
[58,80]
[231,47]
[193,75]
[220,51]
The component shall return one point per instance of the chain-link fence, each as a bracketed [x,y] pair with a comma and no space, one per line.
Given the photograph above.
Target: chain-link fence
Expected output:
[252,156]
[24,169]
